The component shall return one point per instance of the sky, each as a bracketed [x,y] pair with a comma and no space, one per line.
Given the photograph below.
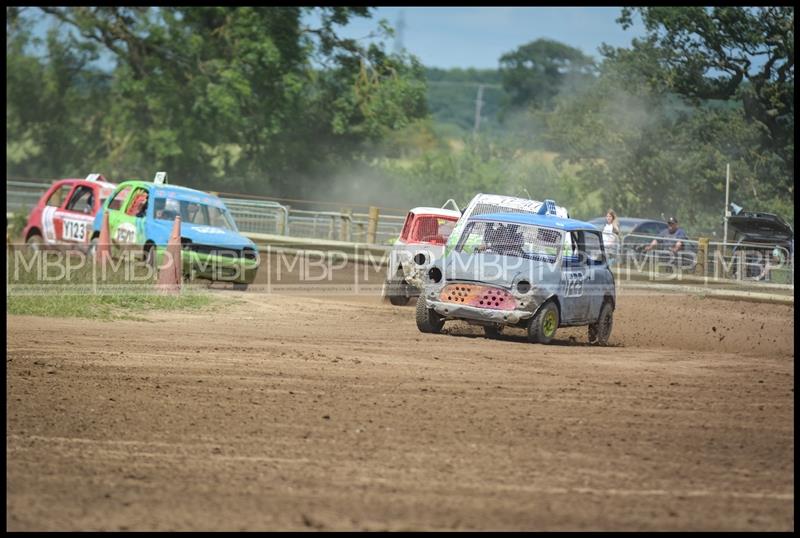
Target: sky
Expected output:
[448,37]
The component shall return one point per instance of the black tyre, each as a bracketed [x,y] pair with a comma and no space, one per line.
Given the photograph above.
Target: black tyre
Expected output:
[428,320]
[240,286]
[544,324]
[399,300]
[600,331]
[150,255]
[397,292]
[492,331]
[34,242]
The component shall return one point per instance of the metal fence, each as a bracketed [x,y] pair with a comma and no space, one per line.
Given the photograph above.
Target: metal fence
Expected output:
[741,261]
[259,216]
[716,259]
[23,195]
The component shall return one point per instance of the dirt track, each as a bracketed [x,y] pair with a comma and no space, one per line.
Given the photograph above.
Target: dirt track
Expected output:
[334,413]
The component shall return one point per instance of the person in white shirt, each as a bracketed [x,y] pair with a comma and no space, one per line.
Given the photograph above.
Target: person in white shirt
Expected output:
[611,236]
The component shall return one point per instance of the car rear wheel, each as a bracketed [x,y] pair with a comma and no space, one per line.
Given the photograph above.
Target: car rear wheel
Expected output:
[240,286]
[544,324]
[396,292]
[600,331]
[428,320]
[34,242]
[150,255]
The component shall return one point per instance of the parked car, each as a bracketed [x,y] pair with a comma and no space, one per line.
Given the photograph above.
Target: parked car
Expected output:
[637,233]
[535,271]
[424,233]
[635,228]
[760,238]
[63,216]
[141,215]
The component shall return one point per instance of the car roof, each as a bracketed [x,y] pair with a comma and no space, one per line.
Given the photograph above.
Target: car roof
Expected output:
[436,211]
[174,191]
[87,182]
[532,219]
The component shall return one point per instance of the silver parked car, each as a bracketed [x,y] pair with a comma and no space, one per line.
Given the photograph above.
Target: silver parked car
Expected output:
[537,271]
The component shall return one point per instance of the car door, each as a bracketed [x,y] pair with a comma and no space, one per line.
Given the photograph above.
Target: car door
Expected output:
[52,212]
[574,302]
[118,202]
[597,274]
[77,215]
[130,221]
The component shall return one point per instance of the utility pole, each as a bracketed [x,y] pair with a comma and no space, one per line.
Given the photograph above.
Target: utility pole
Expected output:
[398,40]
[478,106]
[727,208]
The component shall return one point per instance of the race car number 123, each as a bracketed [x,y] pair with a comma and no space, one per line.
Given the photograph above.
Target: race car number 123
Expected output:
[74,230]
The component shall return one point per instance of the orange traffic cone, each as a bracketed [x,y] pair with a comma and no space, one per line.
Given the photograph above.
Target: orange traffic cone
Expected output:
[103,248]
[169,275]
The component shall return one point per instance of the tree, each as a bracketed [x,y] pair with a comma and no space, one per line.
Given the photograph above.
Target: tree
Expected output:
[240,97]
[536,72]
[724,53]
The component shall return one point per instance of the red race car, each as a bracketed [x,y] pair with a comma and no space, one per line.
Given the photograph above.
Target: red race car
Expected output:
[65,213]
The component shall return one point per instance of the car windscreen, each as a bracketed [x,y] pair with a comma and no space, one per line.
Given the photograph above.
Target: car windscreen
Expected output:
[520,240]
[193,212]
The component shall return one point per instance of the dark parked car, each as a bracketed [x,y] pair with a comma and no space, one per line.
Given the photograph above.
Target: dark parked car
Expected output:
[760,237]
[638,233]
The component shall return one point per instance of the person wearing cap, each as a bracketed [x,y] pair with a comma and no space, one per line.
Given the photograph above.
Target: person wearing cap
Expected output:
[673,234]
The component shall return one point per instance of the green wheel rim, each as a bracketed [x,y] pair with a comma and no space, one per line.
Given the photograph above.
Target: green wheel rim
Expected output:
[549,324]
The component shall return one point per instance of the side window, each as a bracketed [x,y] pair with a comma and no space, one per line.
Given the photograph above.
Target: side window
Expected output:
[82,200]
[138,205]
[119,198]
[593,245]
[570,247]
[216,217]
[58,195]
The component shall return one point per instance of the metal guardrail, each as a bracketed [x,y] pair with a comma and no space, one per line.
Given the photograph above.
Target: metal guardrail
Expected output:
[259,216]
[23,195]
[739,261]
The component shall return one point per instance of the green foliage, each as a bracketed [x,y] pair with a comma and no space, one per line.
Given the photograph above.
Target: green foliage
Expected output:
[650,153]
[452,94]
[227,97]
[725,53]
[536,72]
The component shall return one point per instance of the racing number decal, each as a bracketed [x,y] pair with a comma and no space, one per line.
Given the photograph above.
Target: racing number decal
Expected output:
[126,233]
[574,284]
[74,230]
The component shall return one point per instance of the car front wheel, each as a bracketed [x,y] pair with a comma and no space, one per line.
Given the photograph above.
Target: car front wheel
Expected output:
[544,324]
[428,320]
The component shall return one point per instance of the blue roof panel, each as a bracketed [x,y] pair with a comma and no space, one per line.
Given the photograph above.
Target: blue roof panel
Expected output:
[530,219]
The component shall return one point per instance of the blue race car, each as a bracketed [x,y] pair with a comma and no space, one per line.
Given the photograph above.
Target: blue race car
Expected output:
[141,215]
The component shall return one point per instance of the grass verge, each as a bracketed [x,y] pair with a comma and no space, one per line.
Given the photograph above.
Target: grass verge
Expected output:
[104,306]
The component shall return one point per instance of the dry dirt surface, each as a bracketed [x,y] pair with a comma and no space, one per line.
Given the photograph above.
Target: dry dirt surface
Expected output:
[332,412]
